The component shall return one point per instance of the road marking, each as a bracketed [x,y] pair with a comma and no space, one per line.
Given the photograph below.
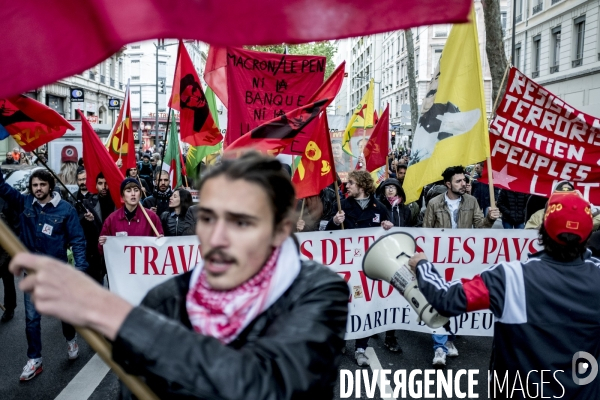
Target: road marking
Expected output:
[86,381]
[376,365]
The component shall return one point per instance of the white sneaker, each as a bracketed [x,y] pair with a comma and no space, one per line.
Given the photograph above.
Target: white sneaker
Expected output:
[32,369]
[452,350]
[361,357]
[439,358]
[73,349]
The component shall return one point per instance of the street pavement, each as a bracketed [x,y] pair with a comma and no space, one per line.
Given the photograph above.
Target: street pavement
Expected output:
[59,371]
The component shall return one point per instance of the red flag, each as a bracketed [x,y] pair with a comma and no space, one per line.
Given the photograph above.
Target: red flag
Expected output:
[274,136]
[120,143]
[196,124]
[377,148]
[103,27]
[261,86]
[30,122]
[97,159]
[316,169]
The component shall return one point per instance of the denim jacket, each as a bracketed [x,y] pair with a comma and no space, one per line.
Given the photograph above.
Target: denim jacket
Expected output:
[47,230]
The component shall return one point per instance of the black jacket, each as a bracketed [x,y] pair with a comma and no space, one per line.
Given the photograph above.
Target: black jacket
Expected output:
[161,204]
[172,224]
[191,217]
[291,351]
[372,216]
[512,205]
[545,311]
[400,215]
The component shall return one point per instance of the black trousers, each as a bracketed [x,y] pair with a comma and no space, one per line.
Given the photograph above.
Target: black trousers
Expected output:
[8,280]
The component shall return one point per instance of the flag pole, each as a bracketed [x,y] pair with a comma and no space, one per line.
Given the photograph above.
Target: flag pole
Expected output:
[13,246]
[162,158]
[302,208]
[489,159]
[149,220]
[333,171]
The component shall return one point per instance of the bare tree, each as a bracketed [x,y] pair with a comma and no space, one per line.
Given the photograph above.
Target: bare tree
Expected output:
[494,46]
[412,83]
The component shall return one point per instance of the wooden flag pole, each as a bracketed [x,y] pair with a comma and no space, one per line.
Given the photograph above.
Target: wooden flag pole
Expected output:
[162,158]
[2,307]
[337,197]
[302,208]
[489,159]
[149,220]
[12,245]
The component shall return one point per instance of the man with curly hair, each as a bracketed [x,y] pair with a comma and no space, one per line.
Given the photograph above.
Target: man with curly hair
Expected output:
[361,210]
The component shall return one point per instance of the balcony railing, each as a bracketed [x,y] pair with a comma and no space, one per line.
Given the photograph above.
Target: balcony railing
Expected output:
[555,1]
[577,63]
[519,18]
[535,74]
[554,69]
[102,79]
[538,7]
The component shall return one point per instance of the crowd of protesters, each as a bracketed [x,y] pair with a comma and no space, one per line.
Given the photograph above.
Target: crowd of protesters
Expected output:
[57,225]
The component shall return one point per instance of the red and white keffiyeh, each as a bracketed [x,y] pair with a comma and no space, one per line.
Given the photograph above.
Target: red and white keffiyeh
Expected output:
[224,314]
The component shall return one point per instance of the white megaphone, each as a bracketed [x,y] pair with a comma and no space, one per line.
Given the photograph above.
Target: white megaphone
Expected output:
[387,259]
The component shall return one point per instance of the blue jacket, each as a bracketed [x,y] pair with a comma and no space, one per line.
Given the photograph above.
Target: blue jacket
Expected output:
[48,230]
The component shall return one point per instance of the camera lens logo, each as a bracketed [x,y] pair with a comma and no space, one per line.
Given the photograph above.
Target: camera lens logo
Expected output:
[76,93]
[113,103]
[580,367]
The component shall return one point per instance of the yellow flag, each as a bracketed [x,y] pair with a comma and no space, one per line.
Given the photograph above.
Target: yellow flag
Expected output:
[362,118]
[452,127]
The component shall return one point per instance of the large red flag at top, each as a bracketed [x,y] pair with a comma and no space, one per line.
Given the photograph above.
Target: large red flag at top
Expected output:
[97,159]
[103,27]
[120,143]
[196,124]
[316,169]
[377,148]
[30,122]
[274,136]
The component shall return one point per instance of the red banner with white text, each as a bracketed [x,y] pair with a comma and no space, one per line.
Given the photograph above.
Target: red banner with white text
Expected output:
[537,140]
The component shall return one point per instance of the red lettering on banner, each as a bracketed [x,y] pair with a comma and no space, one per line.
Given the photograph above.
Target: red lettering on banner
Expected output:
[132,259]
[367,240]
[532,248]
[436,246]
[324,251]
[363,280]
[198,255]
[452,249]
[519,249]
[503,251]
[185,265]
[448,274]
[343,251]
[150,261]
[170,256]
[380,290]
[304,251]
[486,248]
[417,239]
[468,250]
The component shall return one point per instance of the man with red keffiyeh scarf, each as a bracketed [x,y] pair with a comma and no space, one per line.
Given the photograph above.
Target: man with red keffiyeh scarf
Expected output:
[250,321]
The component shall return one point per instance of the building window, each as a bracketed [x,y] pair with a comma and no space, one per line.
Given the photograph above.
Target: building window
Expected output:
[135,61]
[56,103]
[135,109]
[539,6]
[519,11]
[503,16]
[517,60]
[135,46]
[440,30]
[555,56]
[535,54]
[416,64]
[437,54]
[135,78]
[578,36]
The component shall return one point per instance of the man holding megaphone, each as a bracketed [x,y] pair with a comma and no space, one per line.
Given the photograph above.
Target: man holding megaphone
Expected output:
[546,308]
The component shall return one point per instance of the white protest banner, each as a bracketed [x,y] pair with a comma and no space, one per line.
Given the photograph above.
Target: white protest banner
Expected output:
[136,264]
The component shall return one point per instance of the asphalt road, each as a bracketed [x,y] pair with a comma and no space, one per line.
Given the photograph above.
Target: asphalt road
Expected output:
[59,371]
